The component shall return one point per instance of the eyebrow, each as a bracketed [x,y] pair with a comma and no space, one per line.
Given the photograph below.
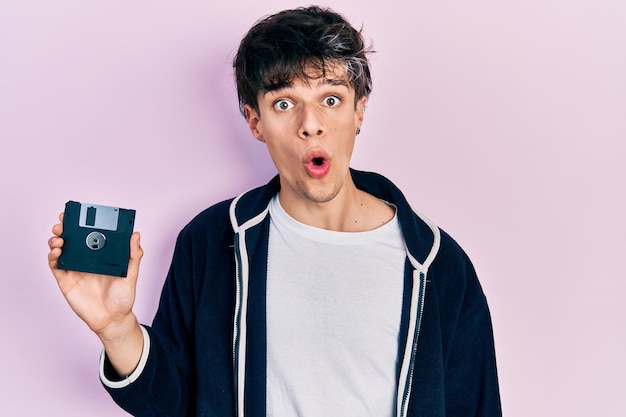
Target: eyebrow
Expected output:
[334,82]
[340,82]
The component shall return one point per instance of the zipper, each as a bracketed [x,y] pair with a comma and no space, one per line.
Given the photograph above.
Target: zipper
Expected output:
[241,295]
[236,325]
[418,325]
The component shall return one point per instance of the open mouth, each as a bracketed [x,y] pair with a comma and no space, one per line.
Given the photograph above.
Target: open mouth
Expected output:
[317,161]
[318,166]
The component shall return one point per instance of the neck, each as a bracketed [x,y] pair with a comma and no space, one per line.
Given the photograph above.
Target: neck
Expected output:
[352,210]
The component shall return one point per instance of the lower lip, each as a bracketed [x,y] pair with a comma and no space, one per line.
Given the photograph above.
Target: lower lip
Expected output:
[318,171]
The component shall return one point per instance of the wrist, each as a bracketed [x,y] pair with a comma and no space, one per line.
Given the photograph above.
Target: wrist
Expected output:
[119,330]
[123,342]
[109,373]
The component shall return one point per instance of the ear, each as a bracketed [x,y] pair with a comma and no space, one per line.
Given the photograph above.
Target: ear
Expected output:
[359,110]
[254,119]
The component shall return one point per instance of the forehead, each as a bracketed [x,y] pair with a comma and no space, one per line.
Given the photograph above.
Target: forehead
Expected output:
[312,76]
[333,71]
[318,83]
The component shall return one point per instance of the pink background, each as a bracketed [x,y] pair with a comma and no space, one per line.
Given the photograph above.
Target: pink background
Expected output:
[503,121]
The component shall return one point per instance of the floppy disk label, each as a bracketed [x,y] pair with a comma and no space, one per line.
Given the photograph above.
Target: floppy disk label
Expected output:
[98,217]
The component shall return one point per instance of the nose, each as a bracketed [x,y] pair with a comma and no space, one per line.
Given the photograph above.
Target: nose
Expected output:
[311,122]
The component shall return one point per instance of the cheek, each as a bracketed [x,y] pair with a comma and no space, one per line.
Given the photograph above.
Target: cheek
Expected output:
[280,153]
[349,147]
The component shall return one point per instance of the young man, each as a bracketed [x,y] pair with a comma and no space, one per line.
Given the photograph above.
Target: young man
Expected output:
[319,294]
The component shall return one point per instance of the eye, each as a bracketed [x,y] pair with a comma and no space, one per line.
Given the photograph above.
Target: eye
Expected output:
[332,101]
[283,105]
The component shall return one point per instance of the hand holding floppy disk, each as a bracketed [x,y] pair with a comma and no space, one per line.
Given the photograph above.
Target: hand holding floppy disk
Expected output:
[91,248]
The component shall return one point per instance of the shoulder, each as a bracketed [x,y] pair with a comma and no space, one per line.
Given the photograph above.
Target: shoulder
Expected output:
[452,271]
[450,250]
[211,222]
[217,221]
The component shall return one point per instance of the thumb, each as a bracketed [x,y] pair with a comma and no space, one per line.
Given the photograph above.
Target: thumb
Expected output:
[136,253]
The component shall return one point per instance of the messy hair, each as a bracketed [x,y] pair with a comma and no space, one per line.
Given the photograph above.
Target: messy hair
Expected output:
[299,44]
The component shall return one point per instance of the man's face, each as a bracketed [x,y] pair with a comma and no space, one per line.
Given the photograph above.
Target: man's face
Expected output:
[309,129]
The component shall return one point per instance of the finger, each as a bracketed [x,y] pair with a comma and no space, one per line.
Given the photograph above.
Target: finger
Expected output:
[55,242]
[53,257]
[136,253]
[57,229]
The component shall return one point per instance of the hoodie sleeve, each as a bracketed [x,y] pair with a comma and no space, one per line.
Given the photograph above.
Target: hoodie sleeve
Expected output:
[161,383]
[192,329]
[470,375]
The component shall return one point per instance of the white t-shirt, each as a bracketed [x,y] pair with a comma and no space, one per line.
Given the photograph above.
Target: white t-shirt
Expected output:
[334,301]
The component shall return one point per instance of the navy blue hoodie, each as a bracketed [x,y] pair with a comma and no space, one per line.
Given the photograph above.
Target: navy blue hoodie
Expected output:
[205,351]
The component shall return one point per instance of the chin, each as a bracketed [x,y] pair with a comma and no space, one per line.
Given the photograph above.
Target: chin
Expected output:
[321,194]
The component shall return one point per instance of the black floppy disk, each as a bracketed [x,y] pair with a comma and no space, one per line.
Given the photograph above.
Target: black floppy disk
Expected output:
[96,239]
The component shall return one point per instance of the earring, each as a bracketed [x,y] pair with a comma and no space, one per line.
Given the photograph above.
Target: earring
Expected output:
[358,130]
